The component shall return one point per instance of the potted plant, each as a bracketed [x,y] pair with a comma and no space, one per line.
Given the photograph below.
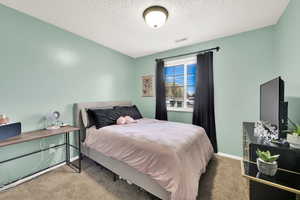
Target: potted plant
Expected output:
[293,136]
[266,163]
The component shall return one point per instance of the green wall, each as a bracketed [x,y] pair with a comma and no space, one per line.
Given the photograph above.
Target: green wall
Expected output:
[43,69]
[287,34]
[244,62]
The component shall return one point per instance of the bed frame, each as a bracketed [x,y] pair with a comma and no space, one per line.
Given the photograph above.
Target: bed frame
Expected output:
[118,167]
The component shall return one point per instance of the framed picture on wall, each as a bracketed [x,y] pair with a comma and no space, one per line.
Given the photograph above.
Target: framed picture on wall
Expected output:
[147,86]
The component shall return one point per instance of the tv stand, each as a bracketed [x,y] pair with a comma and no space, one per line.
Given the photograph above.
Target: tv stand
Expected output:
[289,162]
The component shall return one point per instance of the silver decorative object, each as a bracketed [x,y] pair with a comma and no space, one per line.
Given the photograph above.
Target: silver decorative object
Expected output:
[52,120]
[266,132]
[267,168]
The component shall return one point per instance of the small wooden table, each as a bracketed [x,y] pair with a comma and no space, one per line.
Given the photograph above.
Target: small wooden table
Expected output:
[40,134]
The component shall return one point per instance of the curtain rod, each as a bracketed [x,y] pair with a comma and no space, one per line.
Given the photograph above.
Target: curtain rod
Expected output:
[186,54]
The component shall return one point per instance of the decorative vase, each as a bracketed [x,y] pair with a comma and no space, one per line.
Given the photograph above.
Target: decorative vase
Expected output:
[267,168]
[294,140]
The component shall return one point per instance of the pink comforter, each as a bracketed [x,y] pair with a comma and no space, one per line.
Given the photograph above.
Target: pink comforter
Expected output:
[173,154]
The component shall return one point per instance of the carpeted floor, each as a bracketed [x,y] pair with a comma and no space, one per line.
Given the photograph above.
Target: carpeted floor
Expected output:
[222,181]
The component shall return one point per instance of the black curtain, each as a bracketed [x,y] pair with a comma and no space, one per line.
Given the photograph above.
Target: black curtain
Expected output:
[204,108]
[161,107]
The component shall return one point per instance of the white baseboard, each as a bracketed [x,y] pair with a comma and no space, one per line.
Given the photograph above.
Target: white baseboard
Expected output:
[34,176]
[74,158]
[229,156]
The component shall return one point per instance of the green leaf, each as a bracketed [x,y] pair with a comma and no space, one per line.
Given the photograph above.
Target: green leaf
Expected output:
[273,158]
[287,131]
[298,130]
[294,128]
[258,152]
[266,156]
[295,125]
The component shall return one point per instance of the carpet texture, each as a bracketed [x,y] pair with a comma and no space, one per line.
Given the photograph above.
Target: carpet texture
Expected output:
[222,181]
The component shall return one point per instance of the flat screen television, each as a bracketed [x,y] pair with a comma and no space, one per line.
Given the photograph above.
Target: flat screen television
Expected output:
[273,108]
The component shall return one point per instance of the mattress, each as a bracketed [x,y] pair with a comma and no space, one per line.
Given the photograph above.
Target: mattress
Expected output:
[173,154]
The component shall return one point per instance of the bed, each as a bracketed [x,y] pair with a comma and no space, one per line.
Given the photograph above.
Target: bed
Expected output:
[164,158]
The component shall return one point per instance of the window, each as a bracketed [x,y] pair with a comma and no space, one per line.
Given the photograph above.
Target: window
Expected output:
[180,79]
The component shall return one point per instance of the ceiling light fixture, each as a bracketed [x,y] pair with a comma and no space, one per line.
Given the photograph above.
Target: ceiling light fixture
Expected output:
[155,16]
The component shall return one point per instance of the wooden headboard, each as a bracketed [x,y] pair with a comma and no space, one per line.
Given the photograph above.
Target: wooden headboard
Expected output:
[86,105]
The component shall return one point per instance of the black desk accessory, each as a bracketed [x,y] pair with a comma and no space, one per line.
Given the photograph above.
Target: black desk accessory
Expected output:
[10,130]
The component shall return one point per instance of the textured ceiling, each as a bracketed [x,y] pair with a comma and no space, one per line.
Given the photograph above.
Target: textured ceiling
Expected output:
[118,24]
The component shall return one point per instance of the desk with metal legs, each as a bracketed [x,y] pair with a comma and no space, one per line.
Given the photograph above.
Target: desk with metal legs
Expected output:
[40,134]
